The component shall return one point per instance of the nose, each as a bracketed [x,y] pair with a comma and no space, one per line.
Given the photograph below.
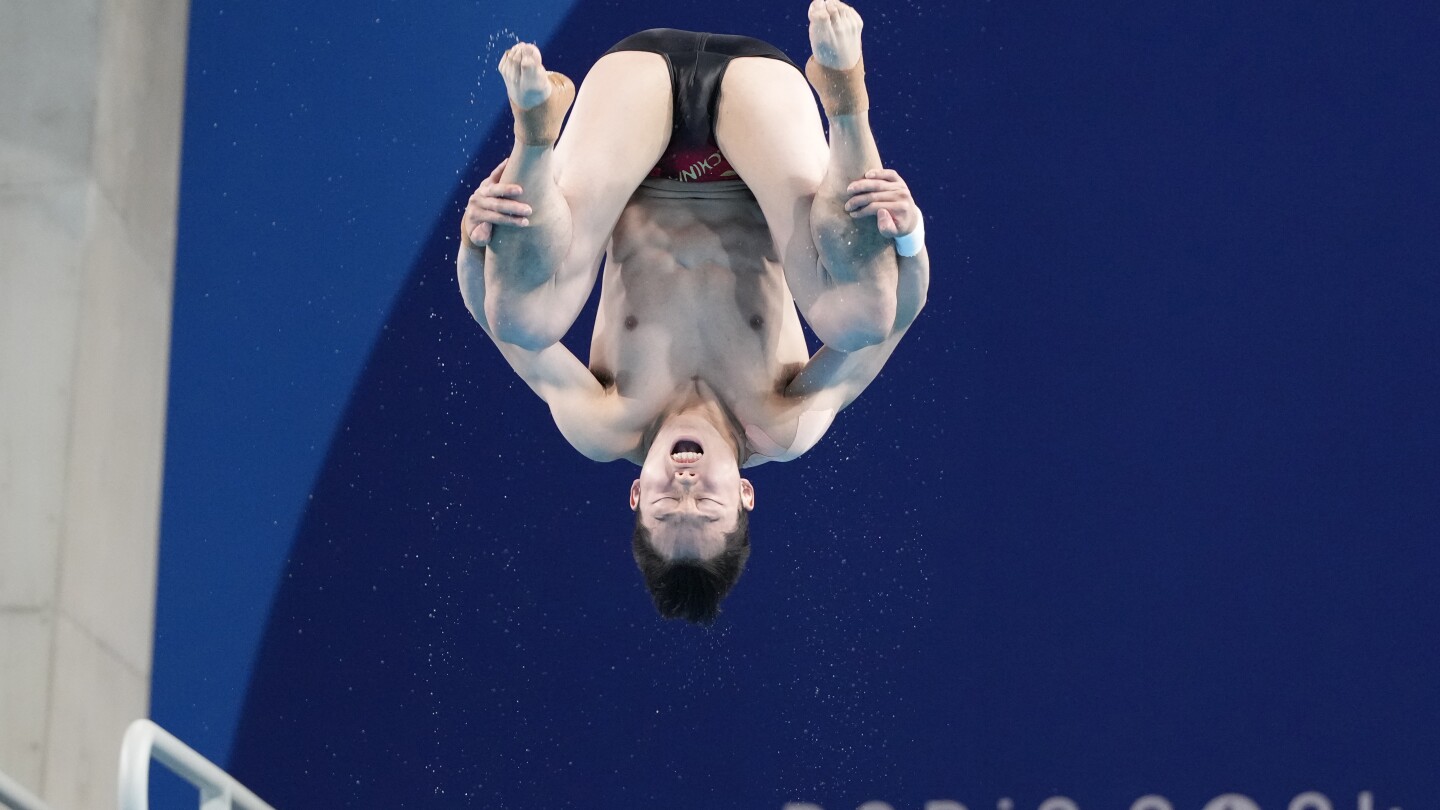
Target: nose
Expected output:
[686,476]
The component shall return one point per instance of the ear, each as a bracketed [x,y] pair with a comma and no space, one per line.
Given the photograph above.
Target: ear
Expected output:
[747,494]
[635,495]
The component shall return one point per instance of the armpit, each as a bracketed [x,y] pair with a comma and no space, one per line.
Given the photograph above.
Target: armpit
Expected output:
[603,376]
[788,373]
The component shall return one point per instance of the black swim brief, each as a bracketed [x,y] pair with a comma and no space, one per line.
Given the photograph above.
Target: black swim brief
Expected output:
[697,64]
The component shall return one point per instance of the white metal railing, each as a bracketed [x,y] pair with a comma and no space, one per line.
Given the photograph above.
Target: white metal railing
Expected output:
[14,796]
[145,740]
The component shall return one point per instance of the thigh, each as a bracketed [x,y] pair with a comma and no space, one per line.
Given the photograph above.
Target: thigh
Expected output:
[615,134]
[768,127]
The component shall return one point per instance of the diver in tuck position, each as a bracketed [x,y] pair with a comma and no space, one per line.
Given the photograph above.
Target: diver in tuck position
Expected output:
[697,165]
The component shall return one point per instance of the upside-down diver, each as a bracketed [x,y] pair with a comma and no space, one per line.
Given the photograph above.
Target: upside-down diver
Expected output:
[696,166]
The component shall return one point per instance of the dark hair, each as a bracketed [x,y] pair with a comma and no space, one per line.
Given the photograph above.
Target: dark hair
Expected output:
[692,589]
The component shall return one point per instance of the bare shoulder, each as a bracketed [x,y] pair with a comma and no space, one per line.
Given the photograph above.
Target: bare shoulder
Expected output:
[597,423]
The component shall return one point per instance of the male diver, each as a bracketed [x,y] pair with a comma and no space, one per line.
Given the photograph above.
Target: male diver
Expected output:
[696,165]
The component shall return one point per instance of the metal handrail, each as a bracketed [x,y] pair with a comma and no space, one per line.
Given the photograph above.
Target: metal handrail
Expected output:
[144,740]
[14,796]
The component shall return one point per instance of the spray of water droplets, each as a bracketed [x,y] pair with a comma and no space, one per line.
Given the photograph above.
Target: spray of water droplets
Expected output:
[495,45]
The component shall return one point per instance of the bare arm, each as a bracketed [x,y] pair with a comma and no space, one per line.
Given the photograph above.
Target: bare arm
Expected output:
[535,284]
[493,205]
[590,417]
[533,234]
[586,413]
[539,272]
[834,377]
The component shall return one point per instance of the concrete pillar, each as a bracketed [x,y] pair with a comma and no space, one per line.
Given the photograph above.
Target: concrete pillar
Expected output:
[90,118]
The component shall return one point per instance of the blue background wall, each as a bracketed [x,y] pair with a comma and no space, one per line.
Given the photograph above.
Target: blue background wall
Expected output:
[1145,504]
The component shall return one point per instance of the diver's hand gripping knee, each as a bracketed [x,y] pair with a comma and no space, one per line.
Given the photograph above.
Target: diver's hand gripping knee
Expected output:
[883,194]
[494,203]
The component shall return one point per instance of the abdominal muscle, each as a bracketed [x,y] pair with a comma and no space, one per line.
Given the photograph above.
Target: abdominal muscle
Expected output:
[692,294]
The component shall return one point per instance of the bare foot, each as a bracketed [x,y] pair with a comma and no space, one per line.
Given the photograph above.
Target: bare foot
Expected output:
[526,80]
[834,34]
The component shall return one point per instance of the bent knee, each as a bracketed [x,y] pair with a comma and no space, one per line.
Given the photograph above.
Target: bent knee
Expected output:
[857,336]
[529,333]
[855,322]
[523,335]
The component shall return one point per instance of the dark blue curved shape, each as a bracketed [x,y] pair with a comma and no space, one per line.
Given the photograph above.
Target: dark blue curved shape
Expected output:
[1144,505]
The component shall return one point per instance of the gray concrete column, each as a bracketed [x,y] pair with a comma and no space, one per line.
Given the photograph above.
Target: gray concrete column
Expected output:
[90,119]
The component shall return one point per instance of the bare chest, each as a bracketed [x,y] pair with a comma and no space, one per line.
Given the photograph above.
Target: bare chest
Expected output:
[692,292]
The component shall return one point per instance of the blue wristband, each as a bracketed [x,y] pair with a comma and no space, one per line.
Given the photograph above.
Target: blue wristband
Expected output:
[910,244]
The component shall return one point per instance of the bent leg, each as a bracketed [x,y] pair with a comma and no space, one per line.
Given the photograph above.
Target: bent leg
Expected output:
[840,270]
[768,128]
[537,278]
[616,134]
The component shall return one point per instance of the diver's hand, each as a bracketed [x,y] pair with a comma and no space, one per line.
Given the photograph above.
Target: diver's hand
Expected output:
[494,203]
[882,194]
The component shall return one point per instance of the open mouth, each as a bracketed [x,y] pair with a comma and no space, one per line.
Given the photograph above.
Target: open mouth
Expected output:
[686,451]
